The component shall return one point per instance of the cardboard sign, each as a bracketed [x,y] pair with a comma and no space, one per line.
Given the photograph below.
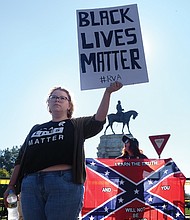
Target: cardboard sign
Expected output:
[159,142]
[110,47]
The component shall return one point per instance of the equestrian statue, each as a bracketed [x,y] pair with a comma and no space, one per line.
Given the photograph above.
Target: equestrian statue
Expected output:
[120,117]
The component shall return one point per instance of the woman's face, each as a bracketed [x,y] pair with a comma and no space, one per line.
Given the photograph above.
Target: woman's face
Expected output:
[127,146]
[58,103]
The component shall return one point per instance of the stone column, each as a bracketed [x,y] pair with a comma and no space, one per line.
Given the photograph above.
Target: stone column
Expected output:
[110,146]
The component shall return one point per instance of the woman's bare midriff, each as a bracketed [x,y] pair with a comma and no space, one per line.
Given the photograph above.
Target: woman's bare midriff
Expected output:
[57,167]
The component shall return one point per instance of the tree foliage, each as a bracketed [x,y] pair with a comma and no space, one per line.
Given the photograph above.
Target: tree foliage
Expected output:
[4,173]
[7,159]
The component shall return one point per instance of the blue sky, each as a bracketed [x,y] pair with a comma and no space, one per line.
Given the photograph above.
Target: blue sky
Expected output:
[38,50]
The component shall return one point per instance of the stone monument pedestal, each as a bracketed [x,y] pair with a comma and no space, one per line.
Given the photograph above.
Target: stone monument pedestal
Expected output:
[110,146]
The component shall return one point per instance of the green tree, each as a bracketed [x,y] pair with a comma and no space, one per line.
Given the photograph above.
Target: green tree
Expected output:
[8,157]
[4,173]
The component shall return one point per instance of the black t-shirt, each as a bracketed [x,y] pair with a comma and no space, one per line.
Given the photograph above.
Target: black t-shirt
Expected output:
[50,144]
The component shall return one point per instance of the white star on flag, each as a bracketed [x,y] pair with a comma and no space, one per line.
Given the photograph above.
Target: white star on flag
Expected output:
[106,209]
[150,182]
[93,163]
[107,173]
[166,171]
[136,191]
[150,199]
[120,200]
[121,182]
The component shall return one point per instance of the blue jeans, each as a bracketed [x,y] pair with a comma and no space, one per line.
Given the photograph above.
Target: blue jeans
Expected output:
[51,196]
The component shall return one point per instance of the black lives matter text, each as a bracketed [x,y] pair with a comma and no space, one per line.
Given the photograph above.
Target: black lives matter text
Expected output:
[125,57]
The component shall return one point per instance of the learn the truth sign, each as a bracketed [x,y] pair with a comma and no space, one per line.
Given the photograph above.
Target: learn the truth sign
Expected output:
[110,47]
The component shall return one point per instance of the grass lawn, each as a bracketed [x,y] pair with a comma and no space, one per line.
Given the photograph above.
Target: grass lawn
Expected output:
[187,211]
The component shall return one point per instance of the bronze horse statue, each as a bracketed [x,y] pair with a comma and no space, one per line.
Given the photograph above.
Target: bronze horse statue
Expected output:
[121,118]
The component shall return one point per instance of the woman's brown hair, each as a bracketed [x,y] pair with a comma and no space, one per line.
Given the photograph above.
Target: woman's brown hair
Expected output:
[69,111]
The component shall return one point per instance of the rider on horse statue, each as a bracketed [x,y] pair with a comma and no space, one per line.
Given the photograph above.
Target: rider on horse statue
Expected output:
[119,111]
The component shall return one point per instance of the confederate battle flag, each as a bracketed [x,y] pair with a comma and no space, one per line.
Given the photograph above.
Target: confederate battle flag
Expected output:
[135,189]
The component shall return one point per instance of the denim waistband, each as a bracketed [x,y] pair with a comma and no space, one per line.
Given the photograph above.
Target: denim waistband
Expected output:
[55,172]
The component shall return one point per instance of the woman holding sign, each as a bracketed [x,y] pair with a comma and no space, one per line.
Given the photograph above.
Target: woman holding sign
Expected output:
[54,159]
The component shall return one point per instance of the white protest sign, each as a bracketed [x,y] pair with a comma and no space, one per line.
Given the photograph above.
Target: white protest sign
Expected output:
[110,47]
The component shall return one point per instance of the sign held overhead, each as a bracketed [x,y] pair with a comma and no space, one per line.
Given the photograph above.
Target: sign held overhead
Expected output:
[159,142]
[110,47]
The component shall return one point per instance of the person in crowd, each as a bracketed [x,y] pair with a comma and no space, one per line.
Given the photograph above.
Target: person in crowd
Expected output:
[131,149]
[54,163]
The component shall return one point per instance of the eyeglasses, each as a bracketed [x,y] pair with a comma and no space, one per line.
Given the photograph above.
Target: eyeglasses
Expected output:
[60,98]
